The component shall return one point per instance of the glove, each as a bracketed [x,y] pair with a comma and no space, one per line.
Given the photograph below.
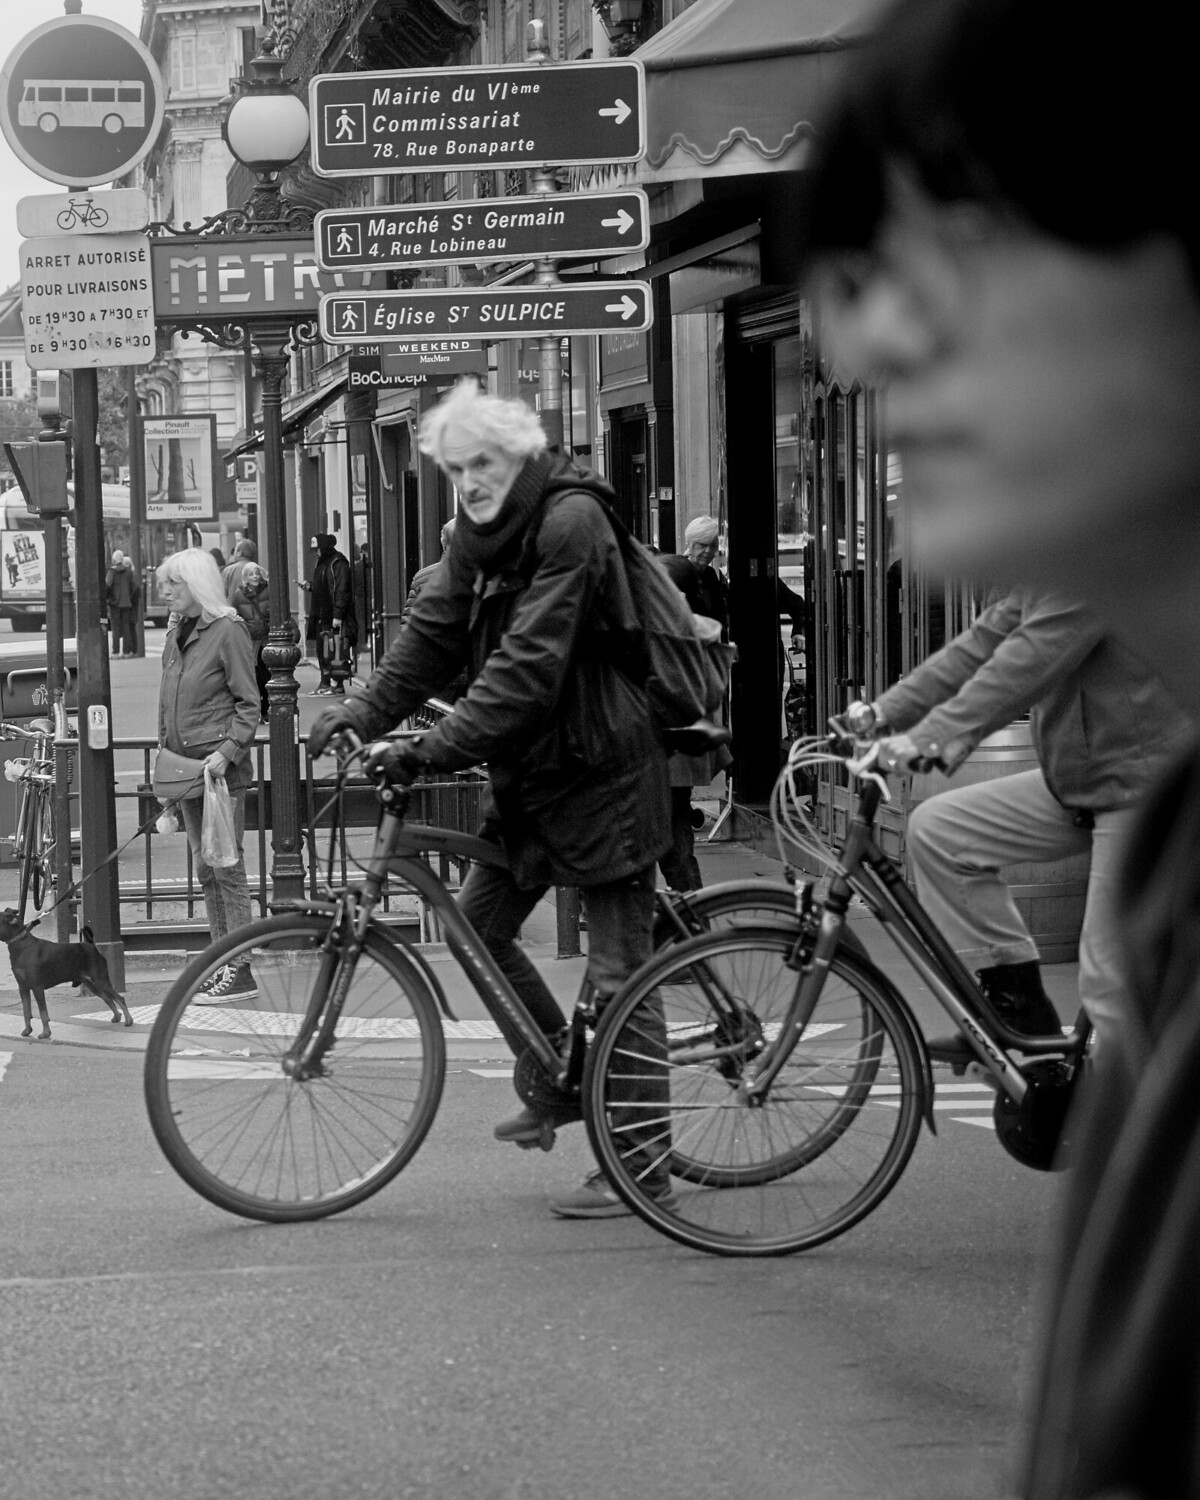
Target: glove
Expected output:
[401,760]
[329,721]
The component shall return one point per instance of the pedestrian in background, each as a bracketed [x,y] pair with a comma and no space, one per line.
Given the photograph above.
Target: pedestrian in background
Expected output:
[332,622]
[1033,304]
[208,709]
[250,598]
[123,591]
[695,575]
[231,575]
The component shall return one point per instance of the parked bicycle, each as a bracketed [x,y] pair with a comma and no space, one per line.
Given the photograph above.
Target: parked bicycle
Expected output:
[346,1048]
[35,831]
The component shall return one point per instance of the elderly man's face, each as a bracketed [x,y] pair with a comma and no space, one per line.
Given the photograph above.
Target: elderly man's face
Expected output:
[1041,397]
[482,474]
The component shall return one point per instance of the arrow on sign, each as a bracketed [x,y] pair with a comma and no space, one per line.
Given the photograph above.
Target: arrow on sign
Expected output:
[620,112]
[626,307]
[622,223]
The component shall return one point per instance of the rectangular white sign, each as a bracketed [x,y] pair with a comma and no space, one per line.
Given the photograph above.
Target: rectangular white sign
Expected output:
[88,302]
[24,566]
[121,211]
[180,464]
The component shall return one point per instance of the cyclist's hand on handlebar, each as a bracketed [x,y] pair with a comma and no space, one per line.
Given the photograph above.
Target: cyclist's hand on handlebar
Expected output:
[401,760]
[900,752]
[328,723]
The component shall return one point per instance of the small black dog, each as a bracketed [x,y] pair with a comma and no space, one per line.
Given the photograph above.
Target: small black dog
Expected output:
[38,966]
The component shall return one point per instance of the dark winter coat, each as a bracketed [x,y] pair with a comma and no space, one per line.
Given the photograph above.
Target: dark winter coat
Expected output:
[332,598]
[1104,726]
[209,695]
[255,609]
[578,771]
[121,587]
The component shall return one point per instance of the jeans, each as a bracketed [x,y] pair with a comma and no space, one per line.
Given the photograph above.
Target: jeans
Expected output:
[620,922]
[957,842]
[226,892]
[124,630]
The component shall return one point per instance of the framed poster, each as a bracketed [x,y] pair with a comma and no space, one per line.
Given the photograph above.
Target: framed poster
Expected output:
[24,564]
[181,467]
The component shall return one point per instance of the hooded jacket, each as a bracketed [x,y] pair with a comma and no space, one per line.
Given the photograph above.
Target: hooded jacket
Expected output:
[332,596]
[527,605]
[1104,726]
[121,586]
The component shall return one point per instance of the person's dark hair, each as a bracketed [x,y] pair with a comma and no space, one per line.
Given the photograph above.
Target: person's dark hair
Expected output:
[246,551]
[1077,123]
[217,556]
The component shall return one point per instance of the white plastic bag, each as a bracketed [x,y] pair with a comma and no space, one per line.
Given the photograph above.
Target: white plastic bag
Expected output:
[218,841]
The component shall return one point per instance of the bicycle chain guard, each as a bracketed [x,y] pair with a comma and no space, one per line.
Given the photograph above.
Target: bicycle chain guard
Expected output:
[1031,1130]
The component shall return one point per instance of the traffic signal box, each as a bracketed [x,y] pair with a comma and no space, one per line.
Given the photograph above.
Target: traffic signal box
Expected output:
[41,472]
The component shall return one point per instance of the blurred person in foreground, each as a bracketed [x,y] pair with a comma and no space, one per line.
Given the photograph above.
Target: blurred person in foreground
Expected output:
[530,599]
[1001,234]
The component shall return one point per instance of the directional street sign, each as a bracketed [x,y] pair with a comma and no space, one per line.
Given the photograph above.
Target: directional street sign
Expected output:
[436,234]
[503,312]
[523,115]
[121,211]
[81,100]
[87,302]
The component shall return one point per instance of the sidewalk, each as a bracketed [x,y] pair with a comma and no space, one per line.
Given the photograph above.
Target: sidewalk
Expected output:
[81,1020]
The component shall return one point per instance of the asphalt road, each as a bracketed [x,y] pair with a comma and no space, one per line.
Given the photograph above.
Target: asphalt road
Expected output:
[451,1339]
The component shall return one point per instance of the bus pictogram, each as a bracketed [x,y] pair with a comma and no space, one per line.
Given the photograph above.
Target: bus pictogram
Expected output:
[111,104]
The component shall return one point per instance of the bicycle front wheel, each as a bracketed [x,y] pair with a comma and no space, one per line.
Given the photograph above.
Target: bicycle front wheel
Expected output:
[254,1140]
[667,1102]
[41,853]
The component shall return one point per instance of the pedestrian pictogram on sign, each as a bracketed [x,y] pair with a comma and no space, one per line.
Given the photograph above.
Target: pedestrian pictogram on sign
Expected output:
[81,100]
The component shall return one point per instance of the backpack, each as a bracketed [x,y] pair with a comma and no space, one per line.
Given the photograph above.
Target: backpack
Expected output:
[677,658]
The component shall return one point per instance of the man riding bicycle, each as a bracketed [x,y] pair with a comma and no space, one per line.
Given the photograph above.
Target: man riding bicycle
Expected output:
[1104,728]
[524,601]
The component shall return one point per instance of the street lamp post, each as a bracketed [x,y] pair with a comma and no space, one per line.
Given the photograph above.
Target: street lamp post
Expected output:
[266,128]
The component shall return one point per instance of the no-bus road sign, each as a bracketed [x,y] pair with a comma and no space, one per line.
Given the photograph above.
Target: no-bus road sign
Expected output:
[523,115]
[81,100]
[474,229]
[486,313]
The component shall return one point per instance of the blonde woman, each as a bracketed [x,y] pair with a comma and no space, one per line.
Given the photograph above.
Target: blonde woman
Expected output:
[208,710]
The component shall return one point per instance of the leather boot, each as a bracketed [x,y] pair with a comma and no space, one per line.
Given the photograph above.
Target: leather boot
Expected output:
[1015,993]
[536,1127]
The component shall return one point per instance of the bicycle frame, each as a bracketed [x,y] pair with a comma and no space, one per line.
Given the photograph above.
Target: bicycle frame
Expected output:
[390,857]
[866,871]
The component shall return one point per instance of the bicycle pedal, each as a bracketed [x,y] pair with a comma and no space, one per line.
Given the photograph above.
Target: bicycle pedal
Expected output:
[542,1141]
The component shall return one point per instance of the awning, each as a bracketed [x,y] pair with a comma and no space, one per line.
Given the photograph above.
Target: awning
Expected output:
[733,86]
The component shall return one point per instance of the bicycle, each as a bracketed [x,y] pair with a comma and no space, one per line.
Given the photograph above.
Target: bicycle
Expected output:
[800,1101]
[346,1058]
[35,831]
[86,212]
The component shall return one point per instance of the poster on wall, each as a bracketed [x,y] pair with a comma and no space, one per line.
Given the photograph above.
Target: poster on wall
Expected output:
[180,467]
[23,572]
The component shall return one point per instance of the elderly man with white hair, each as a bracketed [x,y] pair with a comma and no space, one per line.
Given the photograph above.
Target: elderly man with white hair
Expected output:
[528,599]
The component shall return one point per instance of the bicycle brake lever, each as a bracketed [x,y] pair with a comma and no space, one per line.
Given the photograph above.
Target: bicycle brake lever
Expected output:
[863,768]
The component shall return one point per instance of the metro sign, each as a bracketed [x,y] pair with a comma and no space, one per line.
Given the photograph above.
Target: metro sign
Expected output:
[486,313]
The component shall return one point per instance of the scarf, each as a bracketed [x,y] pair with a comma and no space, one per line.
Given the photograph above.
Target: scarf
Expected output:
[492,546]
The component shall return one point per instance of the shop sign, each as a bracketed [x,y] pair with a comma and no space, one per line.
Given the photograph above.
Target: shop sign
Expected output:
[486,313]
[483,229]
[415,361]
[87,303]
[446,120]
[245,277]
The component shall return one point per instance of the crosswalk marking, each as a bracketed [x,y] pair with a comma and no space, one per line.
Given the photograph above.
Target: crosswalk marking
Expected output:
[5,1059]
[237,1022]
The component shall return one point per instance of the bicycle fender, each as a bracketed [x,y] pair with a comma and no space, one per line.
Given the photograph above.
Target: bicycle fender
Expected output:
[414,955]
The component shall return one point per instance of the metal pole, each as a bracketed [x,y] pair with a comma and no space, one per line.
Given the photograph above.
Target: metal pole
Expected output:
[137,488]
[56,691]
[101,907]
[281,652]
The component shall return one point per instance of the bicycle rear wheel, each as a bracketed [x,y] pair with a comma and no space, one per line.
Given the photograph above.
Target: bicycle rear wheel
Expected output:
[664,1086]
[41,853]
[252,1139]
[746,904]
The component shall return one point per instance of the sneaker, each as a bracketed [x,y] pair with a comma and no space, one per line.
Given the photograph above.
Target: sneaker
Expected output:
[597,1199]
[227,986]
[536,1127]
[321,692]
